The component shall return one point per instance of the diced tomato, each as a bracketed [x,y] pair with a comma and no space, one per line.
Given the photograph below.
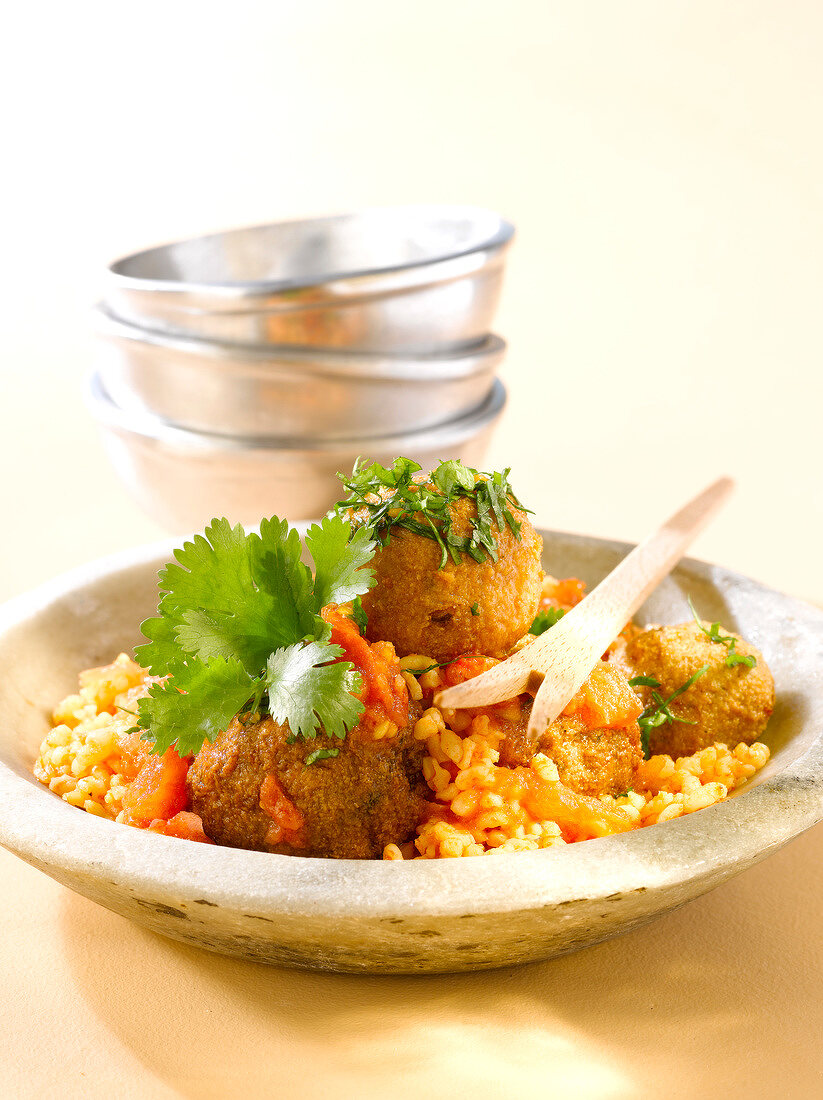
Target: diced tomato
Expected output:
[466,668]
[287,821]
[605,701]
[185,825]
[158,790]
[569,592]
[134,752]
[579,816]
[384,693]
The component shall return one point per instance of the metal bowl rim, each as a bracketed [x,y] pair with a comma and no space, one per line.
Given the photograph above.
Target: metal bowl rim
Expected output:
[496,242]
[327,360]
[186,440]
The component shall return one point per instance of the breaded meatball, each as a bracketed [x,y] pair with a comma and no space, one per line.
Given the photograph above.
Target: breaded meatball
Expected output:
[253,789]
[725,704]
[590,759]
[466,607]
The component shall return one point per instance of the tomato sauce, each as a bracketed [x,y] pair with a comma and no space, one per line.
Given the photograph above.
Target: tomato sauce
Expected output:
[384,693]
[605,701]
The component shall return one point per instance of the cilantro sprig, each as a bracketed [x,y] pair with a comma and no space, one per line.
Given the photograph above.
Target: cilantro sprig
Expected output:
[239,622]
[714,634]
[396,497]
[657,713]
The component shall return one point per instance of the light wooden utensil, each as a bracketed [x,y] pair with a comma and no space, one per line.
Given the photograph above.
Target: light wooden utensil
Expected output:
[557,663]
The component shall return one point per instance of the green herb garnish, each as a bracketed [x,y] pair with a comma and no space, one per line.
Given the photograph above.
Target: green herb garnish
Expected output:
[475,609]
[440,664]
[545,620]
[397,498]
[714,635]
[657,713]
[321,754]
[644,681]
[239,620]
[359,615]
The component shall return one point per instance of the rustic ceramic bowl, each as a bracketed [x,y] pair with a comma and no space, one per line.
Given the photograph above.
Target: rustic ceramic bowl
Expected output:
[399,917]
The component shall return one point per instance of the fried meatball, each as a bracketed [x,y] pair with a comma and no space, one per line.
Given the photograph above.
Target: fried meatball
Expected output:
[253,789]
[591,760]
[725,704]
[470,607]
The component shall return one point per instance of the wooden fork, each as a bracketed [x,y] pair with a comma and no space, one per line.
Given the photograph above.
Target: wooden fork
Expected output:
[557,663]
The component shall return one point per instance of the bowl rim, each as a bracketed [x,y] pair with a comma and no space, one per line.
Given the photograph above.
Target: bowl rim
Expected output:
[158,431]
[45,831]
[495,241]
[427,367]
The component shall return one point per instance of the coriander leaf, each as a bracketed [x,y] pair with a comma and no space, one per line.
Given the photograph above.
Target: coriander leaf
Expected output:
[657,713]
[733,659]
[475,610]
[644,681]
[340,559]
[197,705]
[713,633]
[402,498]
[307,691]
[546,619]
[322,754]
[214,603]
[360,616]
[286,581]
[452,473]
[160,654]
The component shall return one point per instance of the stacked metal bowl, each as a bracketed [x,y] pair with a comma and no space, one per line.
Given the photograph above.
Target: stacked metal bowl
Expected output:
[238,372]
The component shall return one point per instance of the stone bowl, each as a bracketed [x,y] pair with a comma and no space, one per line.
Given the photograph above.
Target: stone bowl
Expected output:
[414,917]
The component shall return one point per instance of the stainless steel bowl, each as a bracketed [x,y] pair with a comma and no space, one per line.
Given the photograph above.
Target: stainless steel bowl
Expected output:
[183,478]
[287,392]
[393,279]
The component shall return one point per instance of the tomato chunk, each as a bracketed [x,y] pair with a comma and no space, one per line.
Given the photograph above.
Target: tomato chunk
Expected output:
[287,820]
[466,668]
[605,701]
[384,694]
[158,790]
[185,825]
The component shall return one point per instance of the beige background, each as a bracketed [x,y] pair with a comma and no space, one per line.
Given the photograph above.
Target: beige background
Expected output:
[662,163]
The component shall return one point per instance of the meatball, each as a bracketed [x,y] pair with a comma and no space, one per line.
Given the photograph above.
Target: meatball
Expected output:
[253,789]
[470,607]
[591,759]
[725,704]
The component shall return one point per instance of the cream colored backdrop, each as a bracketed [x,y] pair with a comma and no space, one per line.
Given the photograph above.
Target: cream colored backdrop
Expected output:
[663,164]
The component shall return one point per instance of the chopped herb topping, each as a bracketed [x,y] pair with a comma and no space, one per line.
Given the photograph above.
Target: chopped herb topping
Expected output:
[321,754]
[644,681]
[475,610]
[545,620]
[714,635]
[398,497]
[359,615]
[657,713]
[440,664]
[239,620]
